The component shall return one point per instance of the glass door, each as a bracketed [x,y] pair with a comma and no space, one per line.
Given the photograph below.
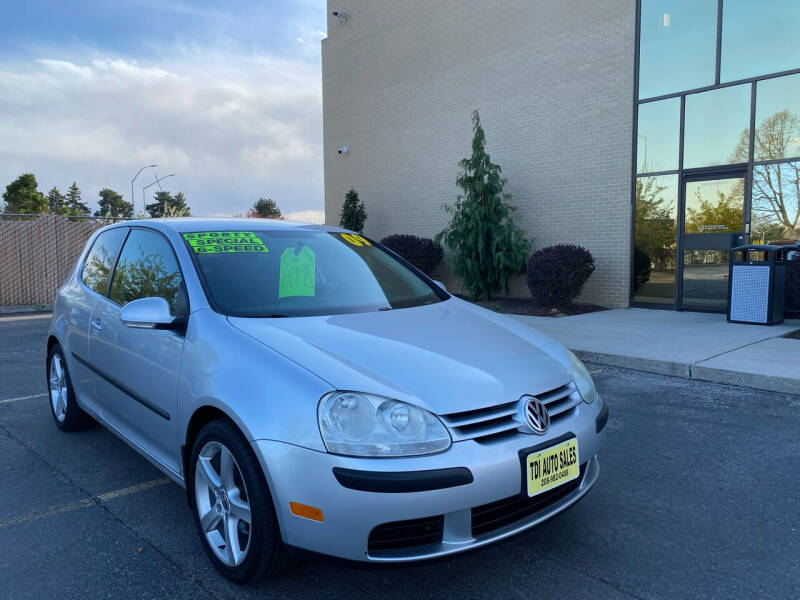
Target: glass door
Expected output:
[713,222]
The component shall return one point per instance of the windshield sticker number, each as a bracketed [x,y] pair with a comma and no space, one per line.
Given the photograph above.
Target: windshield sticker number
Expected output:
[298,272]
[214,242]
[355,239]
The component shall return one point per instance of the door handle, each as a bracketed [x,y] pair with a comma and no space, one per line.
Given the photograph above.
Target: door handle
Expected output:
[96,326]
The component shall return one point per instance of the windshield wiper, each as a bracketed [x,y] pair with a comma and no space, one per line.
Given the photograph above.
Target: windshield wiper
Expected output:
[385,308]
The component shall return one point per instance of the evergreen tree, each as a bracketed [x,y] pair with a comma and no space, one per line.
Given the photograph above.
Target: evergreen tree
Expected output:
[56,201]
[353,215]
[22,196]
[167,205]
[265,208]
[487,246]
[74,204]
[112,204]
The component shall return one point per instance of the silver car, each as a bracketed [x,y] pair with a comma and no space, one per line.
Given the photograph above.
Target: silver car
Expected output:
[313,391]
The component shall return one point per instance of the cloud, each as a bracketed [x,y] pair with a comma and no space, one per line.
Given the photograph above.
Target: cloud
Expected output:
[231,126]
[306,216]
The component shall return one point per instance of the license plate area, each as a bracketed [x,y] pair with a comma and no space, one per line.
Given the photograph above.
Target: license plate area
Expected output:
[549,465]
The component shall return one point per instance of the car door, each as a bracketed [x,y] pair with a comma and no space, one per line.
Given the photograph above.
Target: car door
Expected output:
[79,299]
[138,368]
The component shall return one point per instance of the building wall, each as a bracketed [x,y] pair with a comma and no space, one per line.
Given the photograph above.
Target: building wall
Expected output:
[553,82]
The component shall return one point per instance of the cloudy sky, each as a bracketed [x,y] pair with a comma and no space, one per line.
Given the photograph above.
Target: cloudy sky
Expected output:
[226,95]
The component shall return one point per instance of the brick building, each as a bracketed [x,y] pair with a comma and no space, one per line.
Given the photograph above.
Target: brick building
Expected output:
[581,101]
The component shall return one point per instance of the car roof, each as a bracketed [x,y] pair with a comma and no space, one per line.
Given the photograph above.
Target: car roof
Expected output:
[195,224]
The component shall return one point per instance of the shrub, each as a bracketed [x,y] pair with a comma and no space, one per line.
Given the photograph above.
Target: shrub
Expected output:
[642,267]
[421,252]
[556,275]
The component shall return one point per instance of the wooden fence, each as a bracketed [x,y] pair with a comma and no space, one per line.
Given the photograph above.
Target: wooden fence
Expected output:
[37,254]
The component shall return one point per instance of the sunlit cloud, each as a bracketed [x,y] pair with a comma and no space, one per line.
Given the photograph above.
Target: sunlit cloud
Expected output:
[231,126]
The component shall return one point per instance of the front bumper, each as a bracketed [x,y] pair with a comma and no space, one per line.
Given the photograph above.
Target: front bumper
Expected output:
[306,476]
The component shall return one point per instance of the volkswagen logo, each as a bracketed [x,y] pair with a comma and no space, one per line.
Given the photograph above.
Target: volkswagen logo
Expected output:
[536,415]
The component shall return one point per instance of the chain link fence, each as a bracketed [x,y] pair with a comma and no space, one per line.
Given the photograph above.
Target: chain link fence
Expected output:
[37,253]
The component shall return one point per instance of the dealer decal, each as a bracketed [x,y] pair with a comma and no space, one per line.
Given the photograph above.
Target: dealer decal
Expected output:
[298,273]
[355,239]
[213,242]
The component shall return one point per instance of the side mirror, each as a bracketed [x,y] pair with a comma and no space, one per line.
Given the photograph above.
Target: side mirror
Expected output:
[149,313]
[440,284]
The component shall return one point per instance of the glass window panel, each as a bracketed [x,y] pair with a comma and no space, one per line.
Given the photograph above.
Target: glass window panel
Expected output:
[716,127]
[658,136]
[100,260]
[715,206]
[775,213]
[759,38]
[777,118]
[654,239]
[705,279]
[677,46]
[147,267]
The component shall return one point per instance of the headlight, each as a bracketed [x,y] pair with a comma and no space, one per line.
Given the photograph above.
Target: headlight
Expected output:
[364,425]
[582,379]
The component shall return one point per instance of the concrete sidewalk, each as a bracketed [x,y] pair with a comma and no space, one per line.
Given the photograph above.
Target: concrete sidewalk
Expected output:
[692,345]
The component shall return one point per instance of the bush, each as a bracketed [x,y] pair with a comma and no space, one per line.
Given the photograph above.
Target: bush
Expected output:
[421,252]
[642,266]
[556,275]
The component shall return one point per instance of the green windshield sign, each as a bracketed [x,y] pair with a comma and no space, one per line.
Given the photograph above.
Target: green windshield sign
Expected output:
[298,272]
[213,242]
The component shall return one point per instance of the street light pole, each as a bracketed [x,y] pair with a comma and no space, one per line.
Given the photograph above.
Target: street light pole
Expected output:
[157,181]
[139,172]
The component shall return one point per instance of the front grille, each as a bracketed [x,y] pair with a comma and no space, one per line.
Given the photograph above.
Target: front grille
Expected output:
[499,419]
[406,534]
[498,514]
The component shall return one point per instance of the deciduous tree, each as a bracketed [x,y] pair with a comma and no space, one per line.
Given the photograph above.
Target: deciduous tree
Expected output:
[22,196]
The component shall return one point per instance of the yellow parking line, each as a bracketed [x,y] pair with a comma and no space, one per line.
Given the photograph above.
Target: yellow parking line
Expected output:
[57,510]
[18,398]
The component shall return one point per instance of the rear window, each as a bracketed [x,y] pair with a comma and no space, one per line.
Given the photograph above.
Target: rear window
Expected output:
[300,272]
[100,260]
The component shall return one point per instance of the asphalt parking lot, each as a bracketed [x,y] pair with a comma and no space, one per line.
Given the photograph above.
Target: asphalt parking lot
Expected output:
[699,496]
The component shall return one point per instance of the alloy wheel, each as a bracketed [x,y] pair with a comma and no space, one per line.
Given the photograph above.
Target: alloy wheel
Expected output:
[58,388]
[222,503]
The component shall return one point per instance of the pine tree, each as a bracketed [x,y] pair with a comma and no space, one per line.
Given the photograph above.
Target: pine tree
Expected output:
[112,204]
[265,208]
[56,201]
[167,205]
[73,203]
[487,246]
[354,215]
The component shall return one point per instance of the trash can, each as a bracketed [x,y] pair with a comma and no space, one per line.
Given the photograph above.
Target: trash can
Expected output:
[757,284]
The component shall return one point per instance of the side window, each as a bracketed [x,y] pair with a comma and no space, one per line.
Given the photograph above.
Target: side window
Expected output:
[147,267]
[100,260]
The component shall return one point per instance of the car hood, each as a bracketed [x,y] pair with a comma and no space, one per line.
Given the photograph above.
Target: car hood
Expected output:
[446,357]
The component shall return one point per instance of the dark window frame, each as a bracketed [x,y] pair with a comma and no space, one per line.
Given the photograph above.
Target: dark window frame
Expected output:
[113,262]
[107,295]
[680,171]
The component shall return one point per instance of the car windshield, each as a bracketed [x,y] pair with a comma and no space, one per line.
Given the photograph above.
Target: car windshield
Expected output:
[301,272]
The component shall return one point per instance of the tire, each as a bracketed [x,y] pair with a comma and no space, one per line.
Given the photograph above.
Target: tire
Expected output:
[67,415]
[218,497]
